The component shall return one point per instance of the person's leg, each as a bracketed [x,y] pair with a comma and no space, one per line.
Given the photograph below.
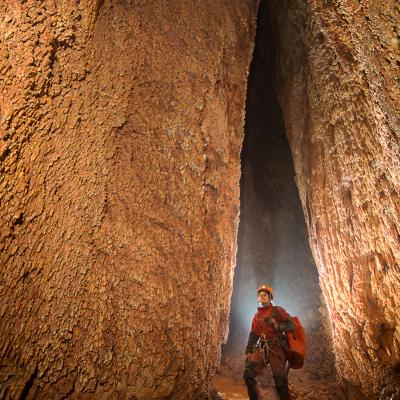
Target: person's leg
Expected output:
[254,364]
[281,384]
[277,361]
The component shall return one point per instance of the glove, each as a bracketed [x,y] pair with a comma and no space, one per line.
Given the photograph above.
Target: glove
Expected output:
[253,338]
[272,322]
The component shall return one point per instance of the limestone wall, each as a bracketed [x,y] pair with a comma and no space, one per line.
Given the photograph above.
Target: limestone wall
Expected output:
[338,83]
[121,127]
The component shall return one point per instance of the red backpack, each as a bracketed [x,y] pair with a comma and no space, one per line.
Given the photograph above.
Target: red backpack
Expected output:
[297,345]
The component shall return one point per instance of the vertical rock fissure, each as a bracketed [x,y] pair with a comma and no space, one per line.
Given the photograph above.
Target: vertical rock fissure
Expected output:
[272,239]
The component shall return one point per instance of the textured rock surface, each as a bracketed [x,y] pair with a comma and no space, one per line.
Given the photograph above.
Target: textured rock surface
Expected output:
[121,127]
[337,74]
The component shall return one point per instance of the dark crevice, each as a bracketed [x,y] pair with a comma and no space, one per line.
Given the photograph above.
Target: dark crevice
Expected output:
[273,243]
[28,385]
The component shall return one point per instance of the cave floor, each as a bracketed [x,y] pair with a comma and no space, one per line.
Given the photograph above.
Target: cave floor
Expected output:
[232,389]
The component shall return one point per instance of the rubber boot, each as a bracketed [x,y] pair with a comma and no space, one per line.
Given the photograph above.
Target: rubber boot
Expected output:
[252,392]
[251,383]
[284,394]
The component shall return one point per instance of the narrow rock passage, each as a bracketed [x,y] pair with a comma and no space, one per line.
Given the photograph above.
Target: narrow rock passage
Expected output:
[273,246]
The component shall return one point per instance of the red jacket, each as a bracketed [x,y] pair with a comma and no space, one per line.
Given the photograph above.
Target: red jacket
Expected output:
[260,327]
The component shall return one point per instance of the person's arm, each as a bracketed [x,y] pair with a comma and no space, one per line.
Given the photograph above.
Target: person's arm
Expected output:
[253,338]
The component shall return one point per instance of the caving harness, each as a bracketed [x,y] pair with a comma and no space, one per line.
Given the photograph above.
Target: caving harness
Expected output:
[266,346]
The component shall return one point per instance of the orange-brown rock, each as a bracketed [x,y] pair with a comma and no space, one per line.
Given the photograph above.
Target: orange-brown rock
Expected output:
[337,73]
[121,128]
[120,132]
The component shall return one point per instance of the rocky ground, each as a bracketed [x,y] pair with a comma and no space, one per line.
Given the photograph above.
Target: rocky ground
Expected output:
[230,388]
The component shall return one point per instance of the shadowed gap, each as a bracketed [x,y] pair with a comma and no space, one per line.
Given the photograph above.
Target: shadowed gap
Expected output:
[272,239]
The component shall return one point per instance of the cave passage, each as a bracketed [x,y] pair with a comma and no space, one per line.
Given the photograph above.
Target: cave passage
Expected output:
[273,246]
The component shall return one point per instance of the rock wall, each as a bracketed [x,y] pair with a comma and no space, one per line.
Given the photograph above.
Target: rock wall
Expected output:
[120,131]
[121,127]
[337,74]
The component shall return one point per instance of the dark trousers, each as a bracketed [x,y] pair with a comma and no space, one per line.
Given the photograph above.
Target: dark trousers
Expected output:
[255,364]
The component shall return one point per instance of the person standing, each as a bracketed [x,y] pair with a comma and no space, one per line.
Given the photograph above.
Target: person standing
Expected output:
[267,345]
